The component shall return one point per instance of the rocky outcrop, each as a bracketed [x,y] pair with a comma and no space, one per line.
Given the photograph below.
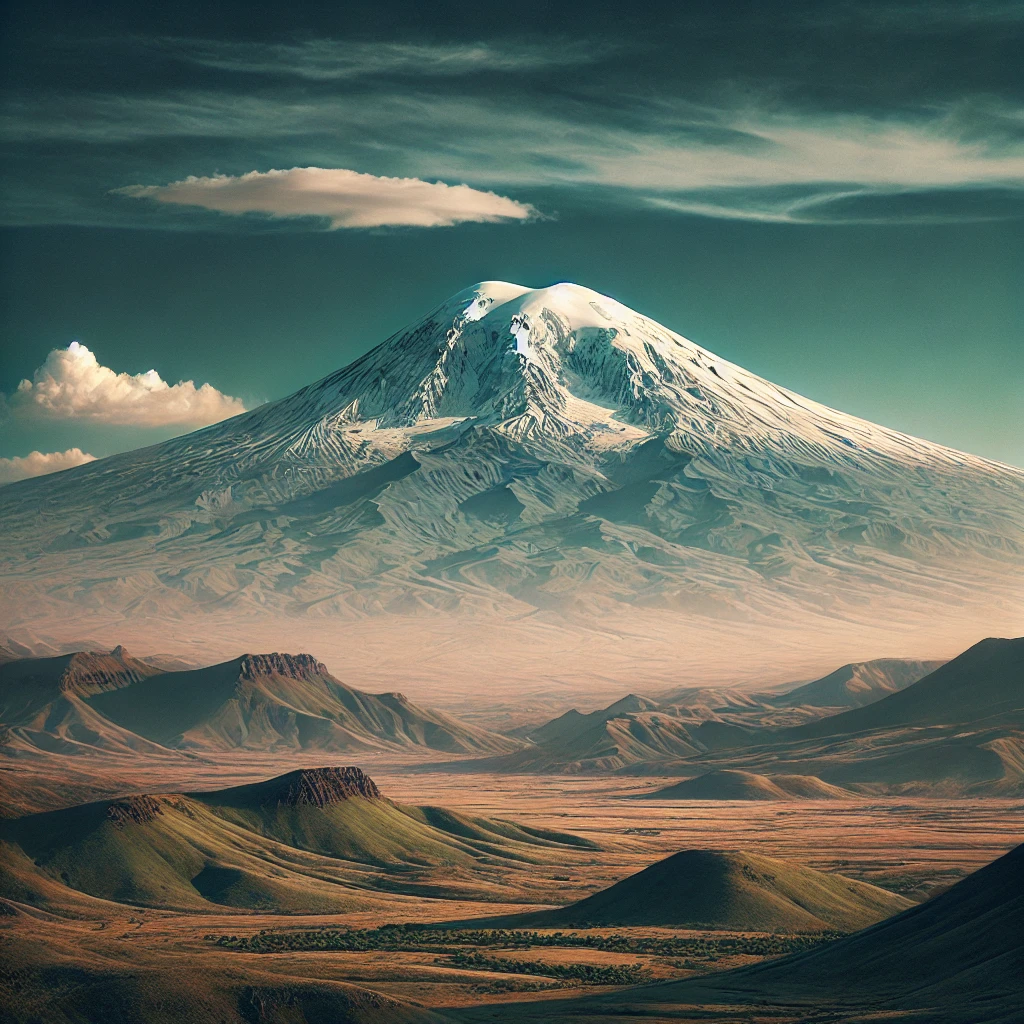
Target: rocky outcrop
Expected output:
[295,666]
[133,810]
[320,787]
[90,672]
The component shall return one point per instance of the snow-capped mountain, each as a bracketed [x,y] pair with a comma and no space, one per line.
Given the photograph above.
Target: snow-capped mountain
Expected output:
[549,457]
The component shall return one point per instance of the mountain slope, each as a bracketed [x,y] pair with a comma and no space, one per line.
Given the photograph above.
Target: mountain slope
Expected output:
[715,889]
[44,702]
[281,702]
[614,478]
[983,686]
[859,684]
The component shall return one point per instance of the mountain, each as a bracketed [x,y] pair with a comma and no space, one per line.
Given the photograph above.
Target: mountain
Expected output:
[958,731]
[607,489]
[726,890]
[859,684]
[299,843]
[982,686]
[278,702]
[631,731]
[728,784]
[44,702]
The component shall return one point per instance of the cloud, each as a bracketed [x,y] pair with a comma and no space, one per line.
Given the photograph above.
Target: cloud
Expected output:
[709,159]
[346,198]
[72,385]
[39,463]
[328,60]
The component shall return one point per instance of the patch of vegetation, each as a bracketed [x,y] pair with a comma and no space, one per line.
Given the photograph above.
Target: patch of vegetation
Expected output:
[586,974]
[503,985]
[420,938]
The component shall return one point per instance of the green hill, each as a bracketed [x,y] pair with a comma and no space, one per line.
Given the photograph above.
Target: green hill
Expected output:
[721,890]
[311,841]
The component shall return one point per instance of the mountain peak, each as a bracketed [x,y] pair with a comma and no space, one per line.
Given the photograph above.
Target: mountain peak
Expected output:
[519,451]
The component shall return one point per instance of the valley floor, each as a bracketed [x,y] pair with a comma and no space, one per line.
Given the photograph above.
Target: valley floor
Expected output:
[913,846]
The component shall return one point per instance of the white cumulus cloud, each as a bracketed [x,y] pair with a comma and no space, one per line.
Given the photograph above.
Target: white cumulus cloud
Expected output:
[72,385]
[348,199]
[40,463]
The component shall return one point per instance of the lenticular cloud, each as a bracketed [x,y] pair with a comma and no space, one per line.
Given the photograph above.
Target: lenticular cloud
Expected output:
[346,198]
[72,385]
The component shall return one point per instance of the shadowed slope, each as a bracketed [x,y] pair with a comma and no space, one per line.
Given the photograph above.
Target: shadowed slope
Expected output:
[282,702]
[985,684]
[44,701]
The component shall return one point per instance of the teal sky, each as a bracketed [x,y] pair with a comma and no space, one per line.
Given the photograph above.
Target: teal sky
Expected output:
[830,195]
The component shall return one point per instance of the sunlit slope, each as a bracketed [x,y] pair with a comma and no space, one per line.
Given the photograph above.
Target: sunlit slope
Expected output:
[715,889]
[859,684]
[616,472]
[312,841]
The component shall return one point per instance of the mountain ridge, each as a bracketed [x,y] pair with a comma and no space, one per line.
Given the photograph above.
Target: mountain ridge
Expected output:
[257,701]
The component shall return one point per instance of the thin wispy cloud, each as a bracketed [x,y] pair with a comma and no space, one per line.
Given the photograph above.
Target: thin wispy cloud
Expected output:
[346,199]
[402,146]
[21,467]
[73,386]
[331,60]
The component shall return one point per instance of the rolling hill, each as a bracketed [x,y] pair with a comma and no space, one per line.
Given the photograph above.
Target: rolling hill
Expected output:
[447,493]
[312,841]
[724,890]
[738,785]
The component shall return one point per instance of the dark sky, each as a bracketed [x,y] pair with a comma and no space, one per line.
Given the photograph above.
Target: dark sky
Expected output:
[830,194]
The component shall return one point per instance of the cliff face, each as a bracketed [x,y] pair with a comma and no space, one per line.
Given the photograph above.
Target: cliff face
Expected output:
[320,787]
[135,810]
[295,666]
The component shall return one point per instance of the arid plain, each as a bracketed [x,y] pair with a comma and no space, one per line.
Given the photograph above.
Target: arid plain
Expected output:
[199,879]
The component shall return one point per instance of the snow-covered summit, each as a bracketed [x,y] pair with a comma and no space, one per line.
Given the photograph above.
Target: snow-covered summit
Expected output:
[520,452]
